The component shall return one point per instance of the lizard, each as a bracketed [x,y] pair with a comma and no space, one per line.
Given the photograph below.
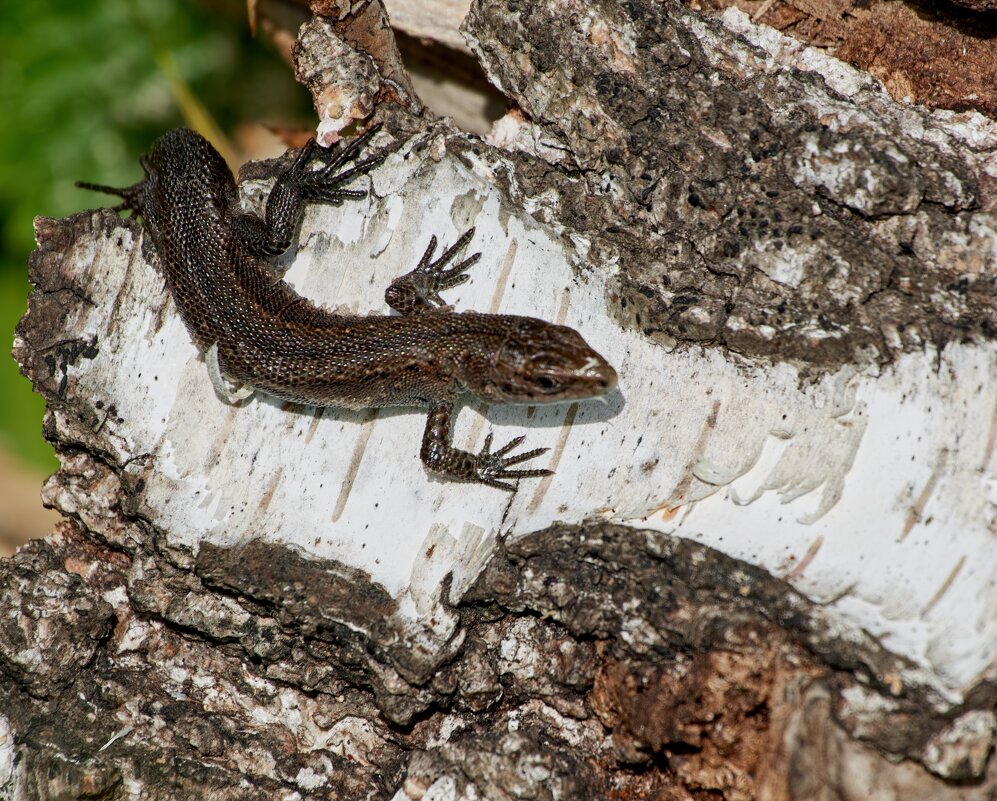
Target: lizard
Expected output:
[256,330]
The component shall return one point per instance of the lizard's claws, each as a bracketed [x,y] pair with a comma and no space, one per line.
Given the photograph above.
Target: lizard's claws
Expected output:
[421,288]
[323,184]
[493,466]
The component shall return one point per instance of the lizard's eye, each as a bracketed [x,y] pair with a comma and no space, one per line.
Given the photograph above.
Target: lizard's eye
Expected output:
[545,383]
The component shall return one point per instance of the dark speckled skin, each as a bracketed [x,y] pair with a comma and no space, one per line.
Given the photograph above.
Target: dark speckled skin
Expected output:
[269,337]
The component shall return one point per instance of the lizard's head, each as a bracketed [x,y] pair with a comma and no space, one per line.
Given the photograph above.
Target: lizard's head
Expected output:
[540,362]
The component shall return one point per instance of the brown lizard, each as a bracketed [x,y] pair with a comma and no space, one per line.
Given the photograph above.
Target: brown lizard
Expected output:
[258,331]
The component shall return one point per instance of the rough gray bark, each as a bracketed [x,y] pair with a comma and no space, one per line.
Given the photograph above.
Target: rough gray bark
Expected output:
[699,174]
[587,661]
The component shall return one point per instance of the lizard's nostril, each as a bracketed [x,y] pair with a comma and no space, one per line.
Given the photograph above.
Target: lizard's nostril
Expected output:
[604,375]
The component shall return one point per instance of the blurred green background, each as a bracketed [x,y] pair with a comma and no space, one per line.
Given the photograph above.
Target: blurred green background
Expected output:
[84,89]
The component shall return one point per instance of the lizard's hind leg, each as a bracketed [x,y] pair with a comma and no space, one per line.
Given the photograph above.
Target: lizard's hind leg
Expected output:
[297,185]
[323,184]
[131,196]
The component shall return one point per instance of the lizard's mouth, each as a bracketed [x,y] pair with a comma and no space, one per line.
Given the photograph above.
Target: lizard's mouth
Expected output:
[598,374]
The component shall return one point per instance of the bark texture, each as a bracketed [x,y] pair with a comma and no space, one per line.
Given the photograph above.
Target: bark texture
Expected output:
[594,662]
[773,214]
[708,175]
[941,54]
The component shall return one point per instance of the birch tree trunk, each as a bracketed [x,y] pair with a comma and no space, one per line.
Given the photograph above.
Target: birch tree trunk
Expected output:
[765,569]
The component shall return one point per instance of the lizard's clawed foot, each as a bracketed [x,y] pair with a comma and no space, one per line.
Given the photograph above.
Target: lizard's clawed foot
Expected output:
[494,466]
[420,289]
[131,196]
[323,184]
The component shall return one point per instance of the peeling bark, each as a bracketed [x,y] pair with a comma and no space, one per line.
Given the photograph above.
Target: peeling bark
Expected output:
[234,607]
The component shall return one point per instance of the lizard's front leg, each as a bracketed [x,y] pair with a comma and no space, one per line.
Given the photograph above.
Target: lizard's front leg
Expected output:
[419,290]
[485,467]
